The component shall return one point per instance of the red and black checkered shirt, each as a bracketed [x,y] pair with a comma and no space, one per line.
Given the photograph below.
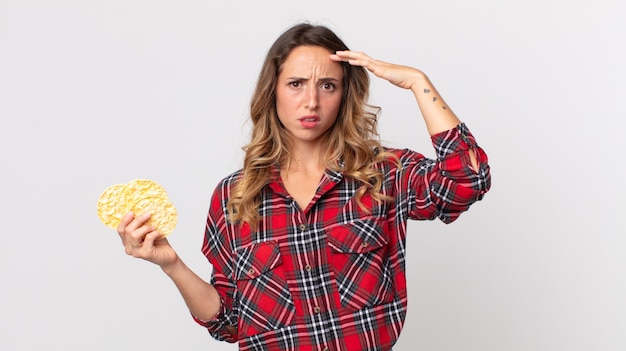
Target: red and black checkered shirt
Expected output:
[332,276]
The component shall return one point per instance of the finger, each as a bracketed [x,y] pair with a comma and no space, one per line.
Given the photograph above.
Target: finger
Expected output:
[121,228]
[146,247]
[139,221]
[135,240]
[152,237]
[355,59]
[353,62]
[137,237]
[353,55]
[345,56]
[129,223]
[136,230]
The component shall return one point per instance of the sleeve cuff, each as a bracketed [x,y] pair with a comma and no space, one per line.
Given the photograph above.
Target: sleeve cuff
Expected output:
[453,140]
[211,323]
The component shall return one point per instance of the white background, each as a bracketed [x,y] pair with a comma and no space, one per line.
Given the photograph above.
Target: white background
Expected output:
[94,93]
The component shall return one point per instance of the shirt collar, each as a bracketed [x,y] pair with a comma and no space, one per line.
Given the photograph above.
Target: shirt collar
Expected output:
[277,185]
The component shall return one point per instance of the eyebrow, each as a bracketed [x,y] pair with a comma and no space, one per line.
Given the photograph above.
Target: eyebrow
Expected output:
[323,79]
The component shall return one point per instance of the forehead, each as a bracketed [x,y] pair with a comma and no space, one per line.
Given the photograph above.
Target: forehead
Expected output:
[307,60]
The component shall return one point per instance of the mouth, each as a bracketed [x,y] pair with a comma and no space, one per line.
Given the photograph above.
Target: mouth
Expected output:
[309,121]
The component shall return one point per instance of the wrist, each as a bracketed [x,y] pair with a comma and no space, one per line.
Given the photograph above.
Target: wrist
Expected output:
[420,82]
[174,267]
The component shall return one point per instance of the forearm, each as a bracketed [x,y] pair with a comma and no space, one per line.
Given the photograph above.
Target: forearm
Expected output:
[201,297]
[436,113]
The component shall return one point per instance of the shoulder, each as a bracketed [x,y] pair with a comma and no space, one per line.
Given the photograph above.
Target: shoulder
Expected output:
[230,179]
[224,187]
[402,156]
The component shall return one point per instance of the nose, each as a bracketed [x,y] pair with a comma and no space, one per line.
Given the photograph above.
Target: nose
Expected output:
[312,98]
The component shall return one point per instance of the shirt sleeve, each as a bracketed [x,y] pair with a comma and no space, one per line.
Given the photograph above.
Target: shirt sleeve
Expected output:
[216,249]
[446,187]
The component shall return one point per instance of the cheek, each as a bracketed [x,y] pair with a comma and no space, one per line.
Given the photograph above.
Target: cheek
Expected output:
[281,104]
[285,99]
[334,104]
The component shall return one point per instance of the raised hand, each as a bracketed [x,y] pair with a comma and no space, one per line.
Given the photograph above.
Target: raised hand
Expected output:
[402,76]
[437,115]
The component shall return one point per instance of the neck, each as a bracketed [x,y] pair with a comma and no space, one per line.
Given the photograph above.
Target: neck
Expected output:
[307,160]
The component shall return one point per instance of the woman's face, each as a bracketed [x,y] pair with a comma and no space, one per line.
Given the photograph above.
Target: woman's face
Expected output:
[308,93]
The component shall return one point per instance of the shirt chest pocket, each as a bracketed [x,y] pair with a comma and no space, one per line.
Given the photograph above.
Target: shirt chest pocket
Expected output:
[265,302]
[360,259]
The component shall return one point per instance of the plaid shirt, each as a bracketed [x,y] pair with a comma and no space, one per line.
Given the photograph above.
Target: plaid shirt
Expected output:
[332,276]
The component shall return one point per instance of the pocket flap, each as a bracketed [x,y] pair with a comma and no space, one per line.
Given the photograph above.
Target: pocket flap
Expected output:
[256,259]
[360,236]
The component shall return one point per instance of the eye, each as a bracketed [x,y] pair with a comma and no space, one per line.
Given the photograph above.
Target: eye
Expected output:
[328,86]
[295,84]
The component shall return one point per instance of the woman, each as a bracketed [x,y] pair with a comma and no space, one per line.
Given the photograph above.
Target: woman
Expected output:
[307,240]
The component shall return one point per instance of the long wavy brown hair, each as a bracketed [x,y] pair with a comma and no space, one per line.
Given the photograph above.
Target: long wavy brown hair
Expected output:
[353,145]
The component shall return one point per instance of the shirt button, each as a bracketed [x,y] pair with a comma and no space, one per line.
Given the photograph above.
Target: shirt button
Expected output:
[302,227]
[326,349]
[308,268]
[364,244]
[251,271]
[317,309]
